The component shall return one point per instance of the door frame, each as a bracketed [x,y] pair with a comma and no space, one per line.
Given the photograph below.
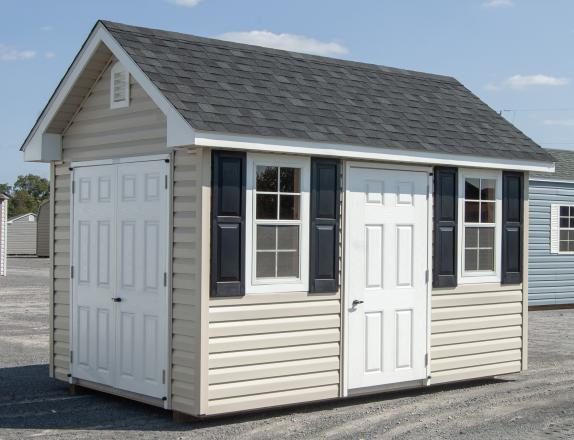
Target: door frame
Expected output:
[168,158]
[346,270]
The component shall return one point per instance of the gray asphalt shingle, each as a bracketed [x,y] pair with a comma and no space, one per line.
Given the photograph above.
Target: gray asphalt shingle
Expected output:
[564,160]
[249,90]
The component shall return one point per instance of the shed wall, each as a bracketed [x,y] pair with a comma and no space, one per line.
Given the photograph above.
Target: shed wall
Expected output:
[43,230]
[22,237]
[551,275]
[3,235]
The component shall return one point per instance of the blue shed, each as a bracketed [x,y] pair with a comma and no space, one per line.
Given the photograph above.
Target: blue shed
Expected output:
[551,238]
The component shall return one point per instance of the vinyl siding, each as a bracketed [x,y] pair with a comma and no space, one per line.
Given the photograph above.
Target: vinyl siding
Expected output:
[22,237]
[273,349]
[43,230]
[476,331]
[3,235]
[551,276]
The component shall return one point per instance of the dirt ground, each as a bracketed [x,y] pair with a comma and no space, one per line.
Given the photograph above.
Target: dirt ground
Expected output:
[536,404]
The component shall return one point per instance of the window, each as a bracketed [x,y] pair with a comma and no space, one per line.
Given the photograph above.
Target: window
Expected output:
[277,224]
[119,87]
[480,215]
[566,228]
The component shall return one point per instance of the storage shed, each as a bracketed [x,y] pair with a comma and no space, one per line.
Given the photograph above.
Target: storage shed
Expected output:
[43,230]
[22,234]
[237,227]
[551,253]
[3,233]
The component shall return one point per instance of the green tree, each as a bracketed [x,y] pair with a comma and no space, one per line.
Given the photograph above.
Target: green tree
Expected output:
[26,194]
[5,189]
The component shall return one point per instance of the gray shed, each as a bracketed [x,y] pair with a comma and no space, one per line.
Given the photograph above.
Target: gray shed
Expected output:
[22,234]
[3,233]
[551,248]
[43,230]
[236,227]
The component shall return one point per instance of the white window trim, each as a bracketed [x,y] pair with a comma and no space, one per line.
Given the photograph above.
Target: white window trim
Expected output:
[560,205]
[275,285]
[119,68]
[465,277]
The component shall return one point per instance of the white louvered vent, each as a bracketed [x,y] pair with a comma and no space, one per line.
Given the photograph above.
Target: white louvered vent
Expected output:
[119,87]
[554,228]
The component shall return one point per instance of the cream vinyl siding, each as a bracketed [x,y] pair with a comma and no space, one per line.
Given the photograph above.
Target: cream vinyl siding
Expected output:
[22,236]
[273,349]
[43,230]
[476,331]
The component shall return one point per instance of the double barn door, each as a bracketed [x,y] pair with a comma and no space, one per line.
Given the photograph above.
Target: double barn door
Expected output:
[119,266]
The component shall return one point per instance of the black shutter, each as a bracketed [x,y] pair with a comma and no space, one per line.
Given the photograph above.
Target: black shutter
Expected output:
[324,239]
[228,223]
[445,227]
[512,213]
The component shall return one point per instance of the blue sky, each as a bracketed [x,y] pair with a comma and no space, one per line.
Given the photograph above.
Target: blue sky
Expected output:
[515,54]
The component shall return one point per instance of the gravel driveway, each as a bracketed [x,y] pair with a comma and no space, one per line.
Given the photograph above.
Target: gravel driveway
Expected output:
[532,405]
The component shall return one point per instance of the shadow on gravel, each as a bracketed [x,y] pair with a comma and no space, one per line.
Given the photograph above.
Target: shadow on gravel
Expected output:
[29,399]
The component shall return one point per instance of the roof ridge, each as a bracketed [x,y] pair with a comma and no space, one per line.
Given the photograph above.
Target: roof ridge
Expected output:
[215,42]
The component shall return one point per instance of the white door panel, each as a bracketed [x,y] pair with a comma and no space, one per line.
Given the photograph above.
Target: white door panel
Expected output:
[120,249]
[388,239]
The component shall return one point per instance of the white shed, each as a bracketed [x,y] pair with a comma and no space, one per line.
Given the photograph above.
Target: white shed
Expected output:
[237,227]
[3,233]
[22,234]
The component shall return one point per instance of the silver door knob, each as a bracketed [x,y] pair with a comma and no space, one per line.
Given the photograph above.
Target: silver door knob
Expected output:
[357,302]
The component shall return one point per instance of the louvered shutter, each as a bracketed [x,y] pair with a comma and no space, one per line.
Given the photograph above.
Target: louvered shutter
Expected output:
[445,227]
[324,234]
[554,228]
[228,224]
[512,220]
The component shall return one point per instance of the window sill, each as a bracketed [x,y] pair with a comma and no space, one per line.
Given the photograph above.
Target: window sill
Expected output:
[296,287]
[479,279]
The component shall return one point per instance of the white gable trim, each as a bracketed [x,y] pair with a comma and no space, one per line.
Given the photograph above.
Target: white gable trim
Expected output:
[21,216]
[350,151]
[41,146]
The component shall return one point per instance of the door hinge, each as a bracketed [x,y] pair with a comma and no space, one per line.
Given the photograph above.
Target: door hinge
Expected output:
[163,377]
[426,276]
[166,181]
[71,356]
[73,186]
[426,360]
[72,272]
[165,279]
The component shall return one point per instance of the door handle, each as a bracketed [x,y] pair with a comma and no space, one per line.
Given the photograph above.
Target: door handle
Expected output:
[357,302]
[117,300]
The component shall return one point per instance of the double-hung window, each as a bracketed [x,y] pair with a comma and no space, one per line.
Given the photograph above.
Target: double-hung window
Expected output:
[566,229]
[480,231]
[277,224]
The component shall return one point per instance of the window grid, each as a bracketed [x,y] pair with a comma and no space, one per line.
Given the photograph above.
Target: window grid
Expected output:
[566,228]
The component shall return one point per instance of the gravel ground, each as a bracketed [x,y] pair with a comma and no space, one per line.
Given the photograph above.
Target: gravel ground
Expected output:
[536,404]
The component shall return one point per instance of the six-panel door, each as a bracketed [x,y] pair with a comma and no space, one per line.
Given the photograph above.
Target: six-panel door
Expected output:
[388,248]
[119,306]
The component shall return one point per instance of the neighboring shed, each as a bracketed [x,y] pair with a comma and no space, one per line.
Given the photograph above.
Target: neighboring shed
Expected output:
[22,234]
[43,230]
[551,248]
[236,227]
[3,233]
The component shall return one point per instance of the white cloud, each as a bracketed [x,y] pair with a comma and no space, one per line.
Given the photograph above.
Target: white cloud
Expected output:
[523,81]
[295,43]
[498,3]
[11,54]
[49,55]
[560,122]
[186,3]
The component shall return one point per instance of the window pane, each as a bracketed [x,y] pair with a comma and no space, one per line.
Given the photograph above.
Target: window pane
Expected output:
[267,178]
[266,238]
[289,209]
[288,238]
[487,189]
[563,235]
[564,222]
[486,259]
[471,212]
[471,238]
[470,260]
[265,265]
[571,211]
[266,206]
[564,211]
[290,180]
[288,264]
[572,222]
[571,246]
[570,236]
[471,189]
[486,238]
[487,212]
[563,246]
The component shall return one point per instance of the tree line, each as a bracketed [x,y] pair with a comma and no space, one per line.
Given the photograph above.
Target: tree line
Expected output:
[26,194]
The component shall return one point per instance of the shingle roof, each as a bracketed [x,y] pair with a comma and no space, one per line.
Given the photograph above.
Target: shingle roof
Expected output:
[235,88]
[564,160]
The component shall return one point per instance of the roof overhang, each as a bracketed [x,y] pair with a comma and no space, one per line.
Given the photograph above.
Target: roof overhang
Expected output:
[42,146]
[362,152]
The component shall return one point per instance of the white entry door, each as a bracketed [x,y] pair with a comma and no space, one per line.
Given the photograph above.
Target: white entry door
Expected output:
[119,257]
[386,289]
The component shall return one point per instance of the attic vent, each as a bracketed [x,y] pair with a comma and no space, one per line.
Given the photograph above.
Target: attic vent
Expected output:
[119,87]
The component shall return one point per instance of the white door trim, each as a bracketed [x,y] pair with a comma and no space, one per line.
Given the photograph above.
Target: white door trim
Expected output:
[346,264]
[169,248]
